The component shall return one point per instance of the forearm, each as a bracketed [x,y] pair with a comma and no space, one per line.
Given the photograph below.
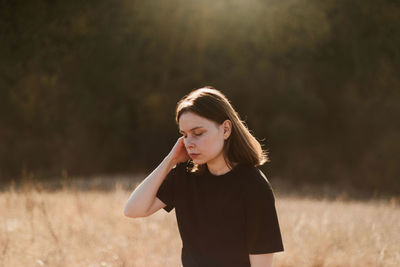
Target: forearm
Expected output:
[261,260]
[144,194]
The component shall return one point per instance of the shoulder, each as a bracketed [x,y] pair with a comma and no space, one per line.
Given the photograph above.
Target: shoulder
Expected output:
[256,182]
[176,172]
[180,166]
[181,169]
[253,176]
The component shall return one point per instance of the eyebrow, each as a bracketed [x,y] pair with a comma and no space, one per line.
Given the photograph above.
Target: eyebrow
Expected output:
[194,128]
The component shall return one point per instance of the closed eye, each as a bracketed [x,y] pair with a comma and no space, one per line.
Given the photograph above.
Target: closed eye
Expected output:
[194,134]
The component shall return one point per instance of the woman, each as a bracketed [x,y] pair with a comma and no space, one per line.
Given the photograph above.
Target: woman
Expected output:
[224,205]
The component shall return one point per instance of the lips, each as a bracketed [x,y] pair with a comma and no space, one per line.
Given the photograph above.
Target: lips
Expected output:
[194,154]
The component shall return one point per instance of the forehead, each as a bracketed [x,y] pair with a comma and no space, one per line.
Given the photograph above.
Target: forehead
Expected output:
[189,120]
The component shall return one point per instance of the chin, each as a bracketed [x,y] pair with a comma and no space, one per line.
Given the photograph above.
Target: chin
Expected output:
[198,161]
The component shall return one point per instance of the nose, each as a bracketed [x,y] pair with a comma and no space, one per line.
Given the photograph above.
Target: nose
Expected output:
[188,143]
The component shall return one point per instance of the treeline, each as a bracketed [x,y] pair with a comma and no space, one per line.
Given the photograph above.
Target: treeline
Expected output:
[91,87]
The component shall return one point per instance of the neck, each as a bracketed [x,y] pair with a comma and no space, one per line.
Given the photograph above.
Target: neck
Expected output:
[218,166]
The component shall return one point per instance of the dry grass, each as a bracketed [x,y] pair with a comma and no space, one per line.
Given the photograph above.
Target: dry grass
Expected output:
[71,227]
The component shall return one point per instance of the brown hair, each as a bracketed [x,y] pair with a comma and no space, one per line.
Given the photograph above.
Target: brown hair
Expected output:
[241,146]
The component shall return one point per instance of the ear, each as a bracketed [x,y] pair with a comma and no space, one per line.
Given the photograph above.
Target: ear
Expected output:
[227,128]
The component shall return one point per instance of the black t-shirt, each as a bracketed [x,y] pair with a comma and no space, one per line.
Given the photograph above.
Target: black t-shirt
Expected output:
[222,218]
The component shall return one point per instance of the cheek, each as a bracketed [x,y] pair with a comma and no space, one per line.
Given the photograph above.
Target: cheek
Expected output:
[202,143]
[210,144]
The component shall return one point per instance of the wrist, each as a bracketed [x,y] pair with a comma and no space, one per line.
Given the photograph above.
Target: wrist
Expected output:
[170,161]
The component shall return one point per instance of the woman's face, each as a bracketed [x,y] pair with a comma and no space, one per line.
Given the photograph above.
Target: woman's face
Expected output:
[202,137]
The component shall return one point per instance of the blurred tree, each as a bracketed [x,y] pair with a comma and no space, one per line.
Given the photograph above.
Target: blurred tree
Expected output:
[92,87]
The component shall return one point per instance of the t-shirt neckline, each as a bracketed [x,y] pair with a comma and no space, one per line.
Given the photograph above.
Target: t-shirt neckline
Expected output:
[222,175]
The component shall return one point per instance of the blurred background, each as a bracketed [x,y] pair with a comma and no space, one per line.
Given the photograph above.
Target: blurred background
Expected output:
[91,87]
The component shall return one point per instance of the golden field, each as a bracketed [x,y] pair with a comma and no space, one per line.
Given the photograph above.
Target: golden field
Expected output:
[86,227]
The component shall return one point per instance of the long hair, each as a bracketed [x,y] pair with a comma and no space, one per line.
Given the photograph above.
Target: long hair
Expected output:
[241,146]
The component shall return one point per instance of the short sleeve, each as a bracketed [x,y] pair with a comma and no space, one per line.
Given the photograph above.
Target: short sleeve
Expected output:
[262,227]
[166,192]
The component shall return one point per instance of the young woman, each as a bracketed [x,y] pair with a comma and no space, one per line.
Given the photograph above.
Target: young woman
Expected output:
[224,205]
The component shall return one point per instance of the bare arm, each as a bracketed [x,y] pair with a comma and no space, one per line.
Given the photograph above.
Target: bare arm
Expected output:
[261,260]
[144,194]
[143,200]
